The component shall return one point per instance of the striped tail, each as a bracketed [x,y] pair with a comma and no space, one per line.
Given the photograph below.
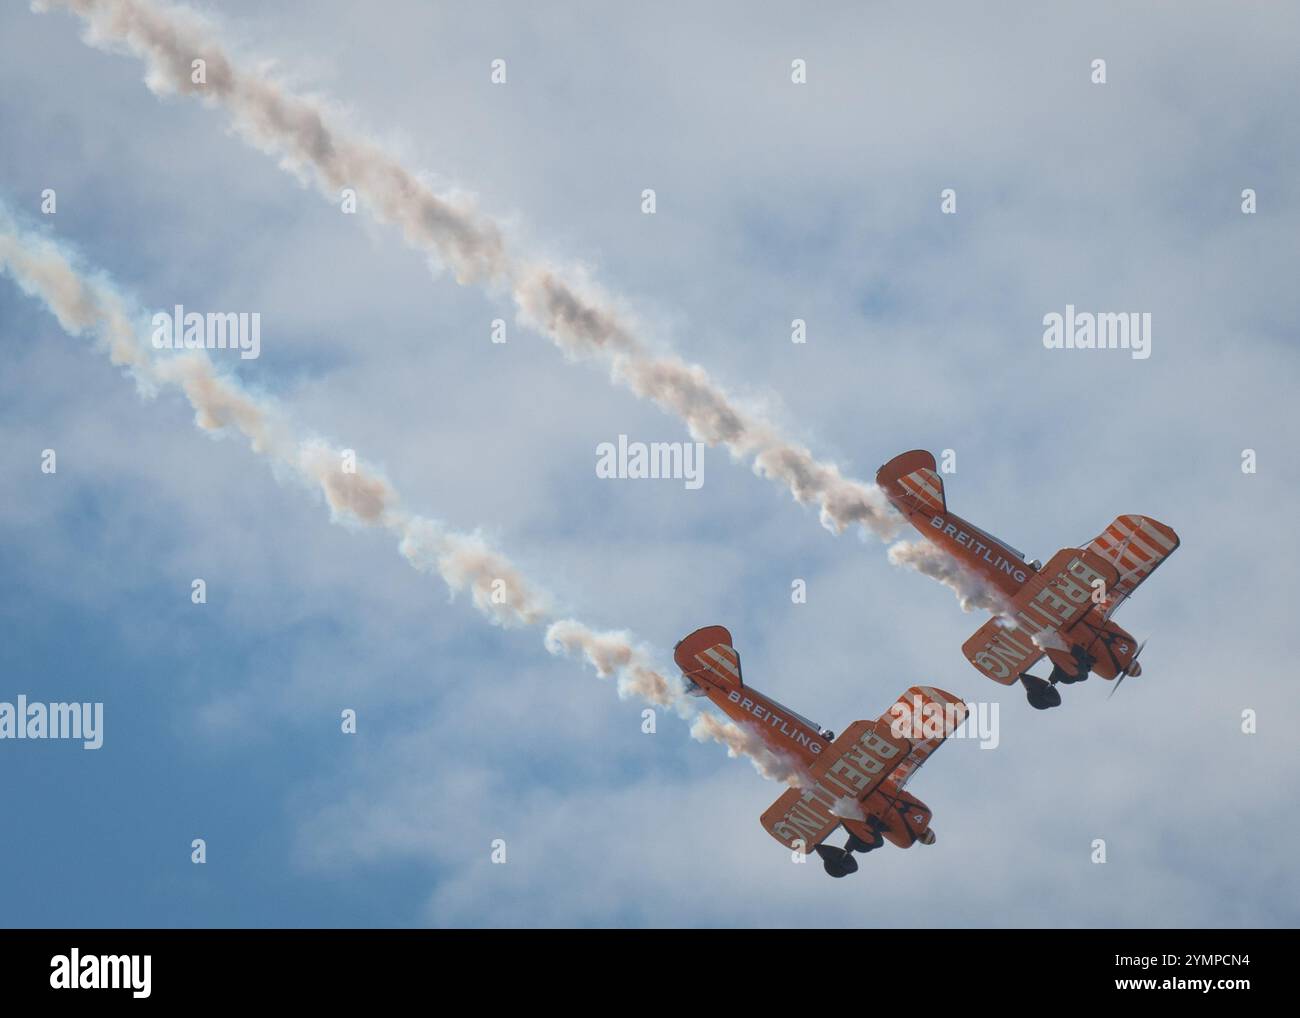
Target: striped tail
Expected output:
[709,651]
[912,482]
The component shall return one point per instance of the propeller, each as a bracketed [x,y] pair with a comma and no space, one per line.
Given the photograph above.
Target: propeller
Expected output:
[1125,673]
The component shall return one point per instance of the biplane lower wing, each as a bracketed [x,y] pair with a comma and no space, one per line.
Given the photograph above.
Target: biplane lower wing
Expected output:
[1001,651]
[1042,615]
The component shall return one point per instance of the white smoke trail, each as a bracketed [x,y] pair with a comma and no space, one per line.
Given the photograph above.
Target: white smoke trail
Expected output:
[972,590]
[1049,639]
[88,304]
[744,741]
[614,653]
[308,140]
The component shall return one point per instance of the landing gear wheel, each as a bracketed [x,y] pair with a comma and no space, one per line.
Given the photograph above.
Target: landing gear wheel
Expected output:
[836,861]
[927,838]
[1059,674]
[1042,695]
[856,844]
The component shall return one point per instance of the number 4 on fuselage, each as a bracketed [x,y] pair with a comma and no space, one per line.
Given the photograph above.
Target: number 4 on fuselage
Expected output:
[1061,610]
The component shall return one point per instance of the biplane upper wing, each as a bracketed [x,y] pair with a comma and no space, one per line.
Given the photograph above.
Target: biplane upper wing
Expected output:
[1135,545]
[926,716]
[853,767]
[1053,601]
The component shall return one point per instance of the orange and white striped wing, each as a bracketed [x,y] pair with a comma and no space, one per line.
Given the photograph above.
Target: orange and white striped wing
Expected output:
[1001,651]
[926,716]
[1136,545]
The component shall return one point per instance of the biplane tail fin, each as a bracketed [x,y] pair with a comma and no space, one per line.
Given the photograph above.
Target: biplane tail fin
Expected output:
[911,479]
[709,652]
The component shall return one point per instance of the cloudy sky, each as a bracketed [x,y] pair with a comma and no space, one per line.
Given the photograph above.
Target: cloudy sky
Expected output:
[775,201]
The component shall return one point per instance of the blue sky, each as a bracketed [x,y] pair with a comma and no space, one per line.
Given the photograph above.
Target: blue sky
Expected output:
[774,202]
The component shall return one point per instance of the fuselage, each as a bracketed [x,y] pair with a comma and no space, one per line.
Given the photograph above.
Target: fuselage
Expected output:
[996,561]
[914,487]
[711,665]
[780,728]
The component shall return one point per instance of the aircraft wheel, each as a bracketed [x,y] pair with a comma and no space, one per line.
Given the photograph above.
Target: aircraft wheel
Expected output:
[927,838]
[856,844]
[1059,674]
[836,861]
[1042,695]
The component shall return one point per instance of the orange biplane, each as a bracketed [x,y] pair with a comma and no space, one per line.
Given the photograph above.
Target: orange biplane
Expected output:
[1061,610]
[855,781]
